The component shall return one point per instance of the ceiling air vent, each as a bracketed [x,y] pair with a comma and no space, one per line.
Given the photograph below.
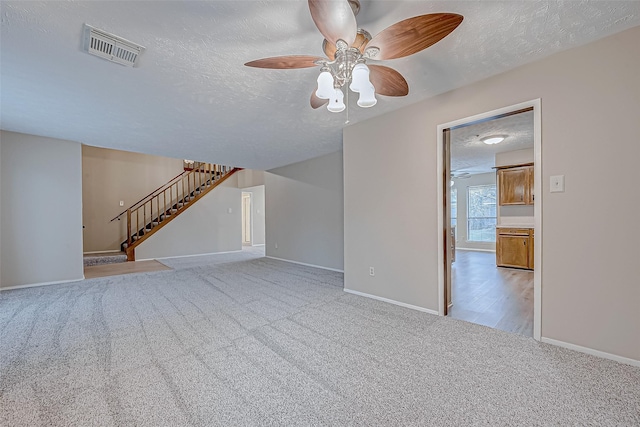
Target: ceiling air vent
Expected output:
[111,47]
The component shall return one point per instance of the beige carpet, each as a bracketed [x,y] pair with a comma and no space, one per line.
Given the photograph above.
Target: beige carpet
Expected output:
[237,340]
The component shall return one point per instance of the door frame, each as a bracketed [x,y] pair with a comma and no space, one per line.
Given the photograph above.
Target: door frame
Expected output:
[442,169]
[247,212]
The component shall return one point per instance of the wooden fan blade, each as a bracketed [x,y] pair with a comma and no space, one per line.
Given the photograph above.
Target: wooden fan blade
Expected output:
[285,62]
[412,35]
[329,49]
[317,102]
[334,19]
[387,81]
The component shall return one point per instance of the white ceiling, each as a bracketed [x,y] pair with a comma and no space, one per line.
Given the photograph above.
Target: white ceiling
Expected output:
[191,96]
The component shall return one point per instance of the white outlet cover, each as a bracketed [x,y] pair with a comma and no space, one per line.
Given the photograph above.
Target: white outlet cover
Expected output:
[557,184]
[121,202]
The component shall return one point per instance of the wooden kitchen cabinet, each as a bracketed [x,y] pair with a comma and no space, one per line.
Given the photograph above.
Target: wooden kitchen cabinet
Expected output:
[515,185]
[514,247]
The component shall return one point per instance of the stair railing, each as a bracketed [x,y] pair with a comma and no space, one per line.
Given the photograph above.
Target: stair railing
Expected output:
[149,195]
[170,198]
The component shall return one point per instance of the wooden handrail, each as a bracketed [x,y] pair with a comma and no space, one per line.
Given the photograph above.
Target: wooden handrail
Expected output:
[149,195]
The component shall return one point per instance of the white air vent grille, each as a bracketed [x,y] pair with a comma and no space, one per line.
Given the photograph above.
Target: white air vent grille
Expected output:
[111,47]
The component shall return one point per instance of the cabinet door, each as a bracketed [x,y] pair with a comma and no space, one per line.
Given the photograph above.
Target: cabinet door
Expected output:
[530,244]
[512,251]
[514,186]
[530,195]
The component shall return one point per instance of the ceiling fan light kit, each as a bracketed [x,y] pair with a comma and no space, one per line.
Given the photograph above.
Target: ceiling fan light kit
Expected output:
[493,139]
[348,48]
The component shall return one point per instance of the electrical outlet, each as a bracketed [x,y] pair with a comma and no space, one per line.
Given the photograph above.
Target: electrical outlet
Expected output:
[121,202]
[276,245]
[557,184]
[371,271]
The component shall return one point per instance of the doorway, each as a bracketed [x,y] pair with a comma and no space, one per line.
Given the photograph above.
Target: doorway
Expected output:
[247,228]
[467,187]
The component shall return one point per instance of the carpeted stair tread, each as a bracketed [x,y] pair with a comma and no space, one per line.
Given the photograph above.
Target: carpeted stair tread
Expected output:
[104,258]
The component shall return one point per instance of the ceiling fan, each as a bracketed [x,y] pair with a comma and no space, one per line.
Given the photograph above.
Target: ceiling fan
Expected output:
[348,48]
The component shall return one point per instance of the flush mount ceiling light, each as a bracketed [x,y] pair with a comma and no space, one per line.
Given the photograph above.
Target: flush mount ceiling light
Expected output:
[348,48]
[493,139]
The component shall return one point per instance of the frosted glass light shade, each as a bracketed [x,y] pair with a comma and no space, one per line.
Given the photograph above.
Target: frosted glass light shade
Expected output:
[336,102]
[359,78]
[367,97]
[325,85]
[494,139]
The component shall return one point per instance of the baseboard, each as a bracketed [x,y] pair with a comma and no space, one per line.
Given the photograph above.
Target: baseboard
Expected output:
[390,301]
[34,285]
[258,244]
[476,250]
[307,265]
[592,352]
[189,256]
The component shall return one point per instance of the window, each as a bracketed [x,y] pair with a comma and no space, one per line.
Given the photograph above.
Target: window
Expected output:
[481,213]
[454,207]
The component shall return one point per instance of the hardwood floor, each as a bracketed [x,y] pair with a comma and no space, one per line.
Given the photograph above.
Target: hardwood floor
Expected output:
[104,270]
[497,297]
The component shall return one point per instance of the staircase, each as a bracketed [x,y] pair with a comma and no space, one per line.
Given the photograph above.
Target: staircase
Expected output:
[157,209]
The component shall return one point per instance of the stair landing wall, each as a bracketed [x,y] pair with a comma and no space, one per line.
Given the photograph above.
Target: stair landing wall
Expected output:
[211,225]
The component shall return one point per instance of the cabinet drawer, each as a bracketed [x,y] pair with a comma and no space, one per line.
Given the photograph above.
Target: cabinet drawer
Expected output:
[513,231]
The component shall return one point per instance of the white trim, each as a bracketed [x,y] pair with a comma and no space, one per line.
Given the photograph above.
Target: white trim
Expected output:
[258,244]
[390,301]
[537,147]
[308,265]
[115,251]
[591,351]
[187,256]
[537,219]
[33,285]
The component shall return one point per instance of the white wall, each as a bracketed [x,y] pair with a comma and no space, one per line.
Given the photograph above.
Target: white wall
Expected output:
[111,176]
[257,214]
[515,157]
[590,105]
[0,208]
[304,212]
[462,185]
[250,178]
[206,227]
[41,219]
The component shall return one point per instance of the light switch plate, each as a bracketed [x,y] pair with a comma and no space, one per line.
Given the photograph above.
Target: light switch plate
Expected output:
[121,202]
[557,184]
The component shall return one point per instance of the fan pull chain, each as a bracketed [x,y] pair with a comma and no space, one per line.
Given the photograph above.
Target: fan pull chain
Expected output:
[347,122]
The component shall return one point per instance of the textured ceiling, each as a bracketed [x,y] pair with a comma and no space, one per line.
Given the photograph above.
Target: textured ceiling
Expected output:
[191,96]
[469,154]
